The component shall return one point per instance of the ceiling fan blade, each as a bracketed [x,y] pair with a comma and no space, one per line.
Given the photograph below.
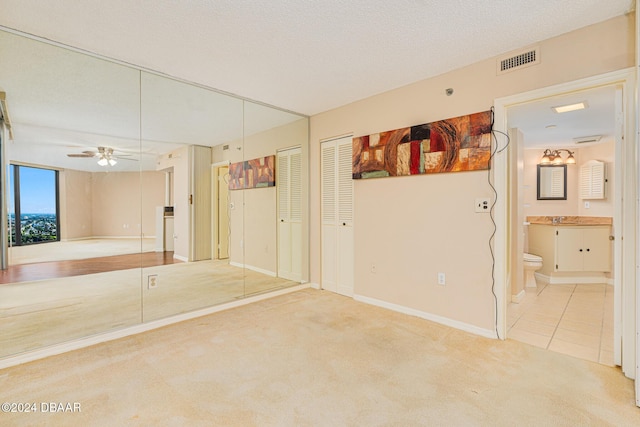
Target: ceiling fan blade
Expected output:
[124,158]
[84,155]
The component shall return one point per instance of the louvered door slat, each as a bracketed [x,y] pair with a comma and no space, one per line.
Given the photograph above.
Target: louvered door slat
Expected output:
[295,192]
[345,184]
[328,184]
[282,180]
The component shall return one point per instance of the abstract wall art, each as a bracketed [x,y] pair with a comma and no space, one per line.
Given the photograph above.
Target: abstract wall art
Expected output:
[255,173]
[451,145]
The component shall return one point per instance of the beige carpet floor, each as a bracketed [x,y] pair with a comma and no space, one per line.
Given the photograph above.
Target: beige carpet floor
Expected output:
[79,249]
[45,312]
[313,358]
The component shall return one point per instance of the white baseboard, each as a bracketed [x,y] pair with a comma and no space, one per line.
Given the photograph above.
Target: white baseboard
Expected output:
[75,239]
[519,297]
[252,268]
[573,280]
[487,333]
[137,329]
[181,258]
[314,286]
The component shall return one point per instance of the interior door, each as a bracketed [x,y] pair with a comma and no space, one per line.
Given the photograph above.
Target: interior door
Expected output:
[337,216]
[515,283]
[289,185]
[200,203]
[222,224]
[329,217]
[345,217]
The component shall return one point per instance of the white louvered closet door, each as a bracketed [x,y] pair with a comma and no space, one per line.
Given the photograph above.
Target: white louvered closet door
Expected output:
[288,181]
[337,216]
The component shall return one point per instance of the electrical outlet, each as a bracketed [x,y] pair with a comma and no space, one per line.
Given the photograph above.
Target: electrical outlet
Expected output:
[152,281]
[373,268]
[441,279]
[483,205]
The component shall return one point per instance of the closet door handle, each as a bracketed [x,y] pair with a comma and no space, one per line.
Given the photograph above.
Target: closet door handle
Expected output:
[580,250]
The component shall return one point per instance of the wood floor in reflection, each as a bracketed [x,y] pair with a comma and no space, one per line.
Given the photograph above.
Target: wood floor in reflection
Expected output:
[78,267]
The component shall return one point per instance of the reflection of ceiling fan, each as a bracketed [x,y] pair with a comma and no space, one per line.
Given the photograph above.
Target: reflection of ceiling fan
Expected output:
[104,154]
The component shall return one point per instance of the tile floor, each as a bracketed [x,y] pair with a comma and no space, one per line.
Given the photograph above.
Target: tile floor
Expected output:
[576,320]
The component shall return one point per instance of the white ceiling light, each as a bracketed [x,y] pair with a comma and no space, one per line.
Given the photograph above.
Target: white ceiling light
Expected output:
[586,139]
[103,161]
[570,107]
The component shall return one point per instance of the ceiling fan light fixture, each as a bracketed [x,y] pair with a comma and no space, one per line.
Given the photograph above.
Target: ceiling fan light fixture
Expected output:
[103,161]
[112,162]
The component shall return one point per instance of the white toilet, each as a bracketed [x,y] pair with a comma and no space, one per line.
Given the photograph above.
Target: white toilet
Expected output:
[531,264]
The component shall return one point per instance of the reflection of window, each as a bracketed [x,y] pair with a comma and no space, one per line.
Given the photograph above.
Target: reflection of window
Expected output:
[33,215]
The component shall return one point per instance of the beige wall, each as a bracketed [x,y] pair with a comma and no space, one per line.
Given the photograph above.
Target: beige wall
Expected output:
[76,211]
[123,203]
[177,162]
[107,204]
[415,227]
[153,192]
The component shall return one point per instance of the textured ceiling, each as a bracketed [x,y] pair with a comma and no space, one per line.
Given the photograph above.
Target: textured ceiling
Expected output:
[304,56]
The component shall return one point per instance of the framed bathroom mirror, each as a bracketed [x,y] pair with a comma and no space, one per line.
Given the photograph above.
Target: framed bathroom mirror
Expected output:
[552,182]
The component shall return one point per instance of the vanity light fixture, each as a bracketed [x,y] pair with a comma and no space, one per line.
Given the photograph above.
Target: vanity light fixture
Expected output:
[553,157]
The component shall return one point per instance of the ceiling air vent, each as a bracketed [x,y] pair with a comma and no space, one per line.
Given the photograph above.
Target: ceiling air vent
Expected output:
[587,139]
[225,147]
[518,60]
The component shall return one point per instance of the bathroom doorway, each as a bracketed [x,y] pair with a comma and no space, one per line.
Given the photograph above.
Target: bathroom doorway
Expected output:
[549,315]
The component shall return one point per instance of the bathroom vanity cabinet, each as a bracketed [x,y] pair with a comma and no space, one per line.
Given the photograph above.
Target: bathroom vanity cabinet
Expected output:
[575,249]
[583,248]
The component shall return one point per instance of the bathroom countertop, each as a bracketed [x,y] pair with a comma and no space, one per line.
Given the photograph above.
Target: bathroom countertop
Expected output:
[570,220]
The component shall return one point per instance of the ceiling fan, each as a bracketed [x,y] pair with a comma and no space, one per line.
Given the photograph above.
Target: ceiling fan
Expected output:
[105,156]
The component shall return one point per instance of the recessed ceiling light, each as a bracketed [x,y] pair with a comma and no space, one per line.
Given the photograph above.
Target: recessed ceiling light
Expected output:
[570,107]
[551,126]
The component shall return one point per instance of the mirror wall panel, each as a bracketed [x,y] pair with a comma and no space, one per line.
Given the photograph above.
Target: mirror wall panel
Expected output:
[273,214]
[74,247]
[171,197]
[181,126]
